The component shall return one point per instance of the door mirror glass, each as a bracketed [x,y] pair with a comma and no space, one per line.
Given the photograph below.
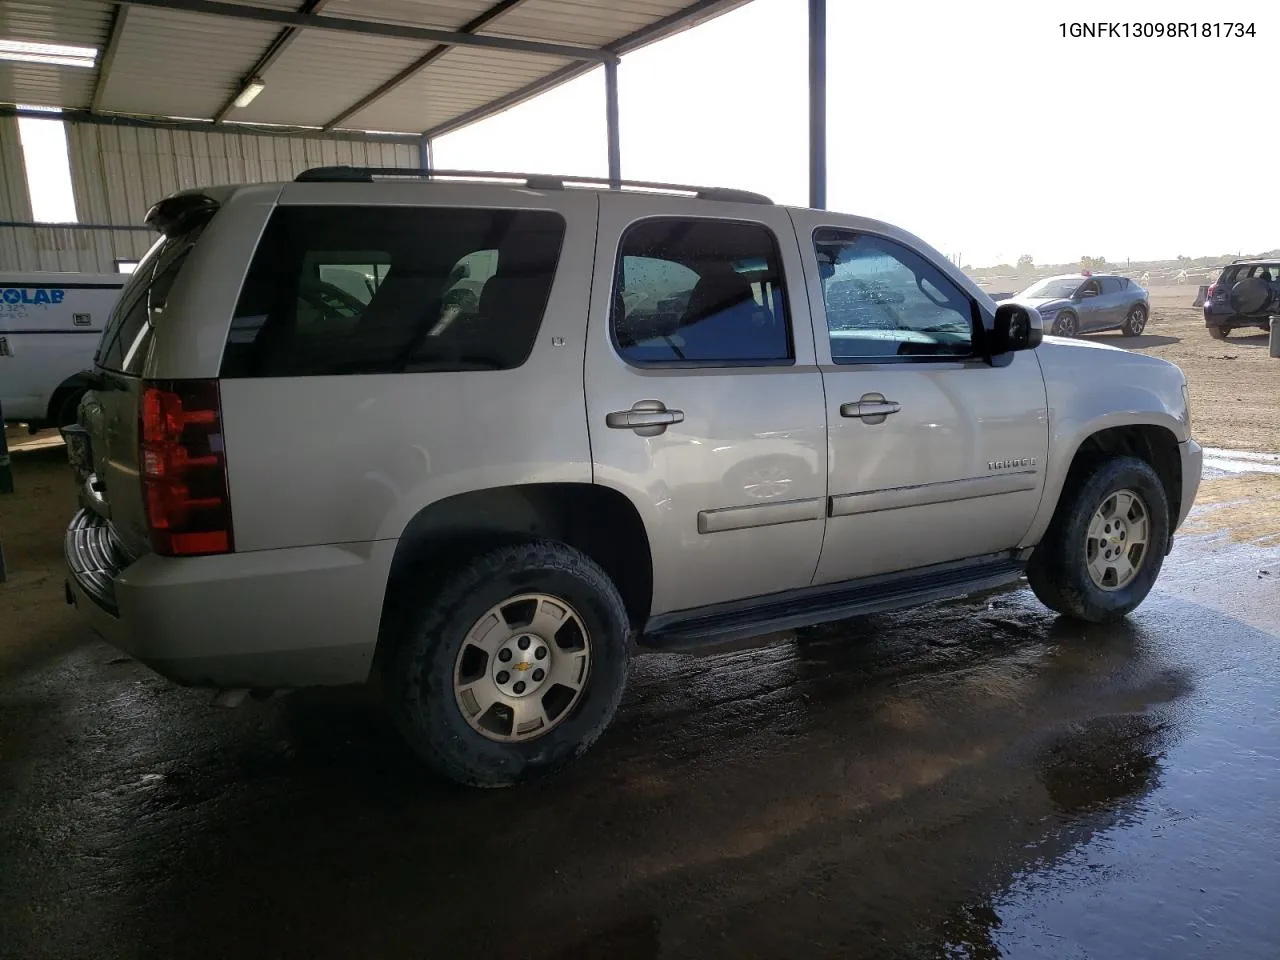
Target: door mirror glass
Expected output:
[1086,293]
[1016,328]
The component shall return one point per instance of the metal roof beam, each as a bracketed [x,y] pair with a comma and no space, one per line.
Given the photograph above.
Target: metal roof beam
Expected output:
[109,56]
[278,46]
[432,55]
[205,126]
[287,18]
[682,19]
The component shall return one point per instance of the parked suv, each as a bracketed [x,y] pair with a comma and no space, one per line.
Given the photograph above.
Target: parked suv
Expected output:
[1246,294]
[1077,303]
[476,437]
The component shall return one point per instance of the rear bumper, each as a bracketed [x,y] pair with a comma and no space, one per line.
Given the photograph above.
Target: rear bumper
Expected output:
[1234,320]
[305,616]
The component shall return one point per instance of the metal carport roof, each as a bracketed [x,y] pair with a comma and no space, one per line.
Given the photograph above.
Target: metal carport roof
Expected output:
[418,67]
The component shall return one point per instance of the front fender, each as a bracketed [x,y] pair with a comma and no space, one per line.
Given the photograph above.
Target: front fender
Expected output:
[1094,388]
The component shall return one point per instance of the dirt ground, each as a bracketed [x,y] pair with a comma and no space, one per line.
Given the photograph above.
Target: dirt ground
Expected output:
[1235,384]
[34,620]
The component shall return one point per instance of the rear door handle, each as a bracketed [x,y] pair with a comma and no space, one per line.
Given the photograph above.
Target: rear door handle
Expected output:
[871,408]
[648,418]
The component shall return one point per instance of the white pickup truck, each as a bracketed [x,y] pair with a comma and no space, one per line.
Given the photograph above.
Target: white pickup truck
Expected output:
[50,325]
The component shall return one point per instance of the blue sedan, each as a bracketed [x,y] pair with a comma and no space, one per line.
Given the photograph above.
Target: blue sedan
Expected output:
[1086,303]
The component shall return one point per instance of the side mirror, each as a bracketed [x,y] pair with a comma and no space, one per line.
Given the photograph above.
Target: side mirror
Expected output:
[1085,294]
[1016,328]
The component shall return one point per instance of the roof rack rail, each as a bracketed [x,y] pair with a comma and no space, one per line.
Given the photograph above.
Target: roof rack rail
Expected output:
[533,181]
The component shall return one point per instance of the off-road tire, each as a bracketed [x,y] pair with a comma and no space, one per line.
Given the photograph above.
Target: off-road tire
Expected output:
[1058,571]
[1135,321]
[1219,333]
[420,670]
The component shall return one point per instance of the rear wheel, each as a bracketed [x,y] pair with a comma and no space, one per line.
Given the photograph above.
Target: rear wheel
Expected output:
[1135,321]
[1105,546]
[1066,325]
[68,411]
[514,666]
[1219,333]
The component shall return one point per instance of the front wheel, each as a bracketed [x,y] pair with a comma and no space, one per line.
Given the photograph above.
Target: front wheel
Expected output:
[1066,325]
[1135,321]
[1106,543]
[514,666]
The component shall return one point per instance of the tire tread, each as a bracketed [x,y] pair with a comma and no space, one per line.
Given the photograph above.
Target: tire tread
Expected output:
[416,678]
[1052,571]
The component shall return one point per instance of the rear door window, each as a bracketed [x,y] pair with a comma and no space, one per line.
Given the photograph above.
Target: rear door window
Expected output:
[338,290]
[706,292]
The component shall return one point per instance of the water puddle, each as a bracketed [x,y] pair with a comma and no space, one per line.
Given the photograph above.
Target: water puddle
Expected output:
[1221,463]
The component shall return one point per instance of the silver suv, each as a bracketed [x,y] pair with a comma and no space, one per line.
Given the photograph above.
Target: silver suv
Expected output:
[475,436]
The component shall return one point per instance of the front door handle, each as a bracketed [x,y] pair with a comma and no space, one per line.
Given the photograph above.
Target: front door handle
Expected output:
[872,408]
[648,418]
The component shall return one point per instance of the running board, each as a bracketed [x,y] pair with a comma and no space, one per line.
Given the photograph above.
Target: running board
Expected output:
[741,619]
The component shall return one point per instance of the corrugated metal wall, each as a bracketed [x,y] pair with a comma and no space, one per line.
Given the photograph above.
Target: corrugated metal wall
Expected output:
[14,203]
[117,172]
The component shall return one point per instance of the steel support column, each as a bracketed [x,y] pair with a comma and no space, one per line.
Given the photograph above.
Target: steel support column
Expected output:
[818,104]
[424,154]
[611,122]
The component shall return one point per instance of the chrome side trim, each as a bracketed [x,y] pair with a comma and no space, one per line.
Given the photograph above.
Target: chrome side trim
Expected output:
[760,515]
[895,498]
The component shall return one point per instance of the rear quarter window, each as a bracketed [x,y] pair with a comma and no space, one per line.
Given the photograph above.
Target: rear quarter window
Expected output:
[142,303]
[360,290]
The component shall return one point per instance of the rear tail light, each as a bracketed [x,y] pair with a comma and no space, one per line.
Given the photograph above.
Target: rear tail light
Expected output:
[1212,287]
[184,473]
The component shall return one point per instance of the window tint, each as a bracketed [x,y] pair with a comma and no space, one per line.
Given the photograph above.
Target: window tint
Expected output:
[142,302]
[700,291]
[1111,285]
[350,290]
[884,300]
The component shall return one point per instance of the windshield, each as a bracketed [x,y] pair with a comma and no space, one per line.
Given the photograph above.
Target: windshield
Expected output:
[1054,288]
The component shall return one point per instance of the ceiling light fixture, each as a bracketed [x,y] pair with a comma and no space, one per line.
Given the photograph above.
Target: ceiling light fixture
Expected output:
[247,93]
[52,54]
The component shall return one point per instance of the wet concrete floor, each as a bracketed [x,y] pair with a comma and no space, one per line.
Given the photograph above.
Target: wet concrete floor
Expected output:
[969,780]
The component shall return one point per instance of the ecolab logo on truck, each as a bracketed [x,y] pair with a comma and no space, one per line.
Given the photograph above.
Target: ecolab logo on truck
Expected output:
[28,295]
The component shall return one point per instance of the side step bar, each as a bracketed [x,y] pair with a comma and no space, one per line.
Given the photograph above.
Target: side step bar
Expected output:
[739,620]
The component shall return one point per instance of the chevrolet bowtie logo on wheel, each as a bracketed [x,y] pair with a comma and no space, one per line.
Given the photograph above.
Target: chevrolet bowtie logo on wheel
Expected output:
[523,666]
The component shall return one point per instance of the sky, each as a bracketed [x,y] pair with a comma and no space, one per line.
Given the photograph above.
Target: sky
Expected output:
[976,125]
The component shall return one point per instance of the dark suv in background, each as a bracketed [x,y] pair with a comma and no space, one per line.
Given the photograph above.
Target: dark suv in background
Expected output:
[1246,294]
